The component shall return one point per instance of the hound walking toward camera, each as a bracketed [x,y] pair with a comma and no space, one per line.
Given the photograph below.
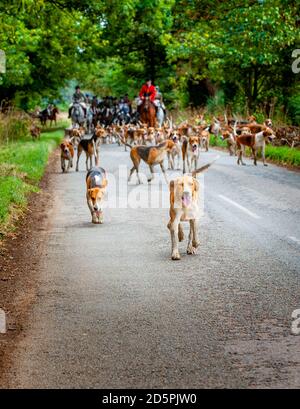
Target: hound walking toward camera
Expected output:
[96,183]
[190,153]
[204,140]
[184,198]
[175,152]
[67,154]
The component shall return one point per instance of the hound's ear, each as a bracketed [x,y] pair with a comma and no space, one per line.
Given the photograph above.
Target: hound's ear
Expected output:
[172,185]
[196,185]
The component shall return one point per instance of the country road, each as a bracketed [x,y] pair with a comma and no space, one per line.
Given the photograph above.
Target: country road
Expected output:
[113,311]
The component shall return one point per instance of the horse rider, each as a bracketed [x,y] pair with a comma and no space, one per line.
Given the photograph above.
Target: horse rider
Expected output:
[124,106]
[158,102]
[128,103]
[94,104]
[147,90]
[49,109]
[78,97]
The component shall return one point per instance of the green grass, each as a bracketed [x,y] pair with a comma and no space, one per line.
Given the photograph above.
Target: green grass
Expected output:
[283,155]
[217,141]
[22,165]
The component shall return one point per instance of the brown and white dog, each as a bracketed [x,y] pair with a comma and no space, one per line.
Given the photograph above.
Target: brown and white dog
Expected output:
[204,140]
[96,183]
[67,154]
[254,142]
[190,152]
[175,152]
[91,148]
[35,131]
[230,140]
[152,155]
[184,207]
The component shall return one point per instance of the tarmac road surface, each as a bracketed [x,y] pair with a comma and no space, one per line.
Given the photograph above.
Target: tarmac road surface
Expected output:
[113,310]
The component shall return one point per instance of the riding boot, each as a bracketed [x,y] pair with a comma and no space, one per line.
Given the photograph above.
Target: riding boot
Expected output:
[69,116]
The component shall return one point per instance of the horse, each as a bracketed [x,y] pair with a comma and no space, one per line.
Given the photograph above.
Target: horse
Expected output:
[77,114]
[160,116]
[148,112]
[53,116]
[43,116]
[106,116]
[90,119]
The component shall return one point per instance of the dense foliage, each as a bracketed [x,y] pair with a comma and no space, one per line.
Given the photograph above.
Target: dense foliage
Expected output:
[236,53]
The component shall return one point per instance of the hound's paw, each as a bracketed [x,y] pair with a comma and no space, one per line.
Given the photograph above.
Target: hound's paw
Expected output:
[196,243]
[175,255]
[191,250]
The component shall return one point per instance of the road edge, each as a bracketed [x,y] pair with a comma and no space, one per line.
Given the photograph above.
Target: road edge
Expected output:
[18,272]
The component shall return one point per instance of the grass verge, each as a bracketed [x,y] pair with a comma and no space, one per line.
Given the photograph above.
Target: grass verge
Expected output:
[282,155]
[22,165]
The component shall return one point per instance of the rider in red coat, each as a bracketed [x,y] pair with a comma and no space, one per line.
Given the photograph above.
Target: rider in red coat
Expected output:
[148,88]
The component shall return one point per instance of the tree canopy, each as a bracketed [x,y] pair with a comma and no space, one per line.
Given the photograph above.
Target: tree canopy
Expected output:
[240,50]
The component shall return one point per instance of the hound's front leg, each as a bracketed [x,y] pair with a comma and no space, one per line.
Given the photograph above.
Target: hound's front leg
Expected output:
[194,223]
[263,154]
[93,213]
[178,162]
[193,242]
[97,158]
[63,167]
[170,160]
[189,164]
[173,227]
[195,161]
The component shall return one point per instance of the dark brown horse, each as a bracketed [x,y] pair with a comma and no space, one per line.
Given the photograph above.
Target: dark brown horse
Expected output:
[53,115]
[148,112]
[50,115]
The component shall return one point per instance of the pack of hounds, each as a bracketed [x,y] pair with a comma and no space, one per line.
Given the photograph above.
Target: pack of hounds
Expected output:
[178,144]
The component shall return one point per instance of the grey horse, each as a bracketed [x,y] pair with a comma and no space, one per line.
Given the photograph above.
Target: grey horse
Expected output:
[160,116]
[77,114]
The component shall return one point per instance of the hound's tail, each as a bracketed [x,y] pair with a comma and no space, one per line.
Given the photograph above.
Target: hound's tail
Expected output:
[203,168]
[125,143]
